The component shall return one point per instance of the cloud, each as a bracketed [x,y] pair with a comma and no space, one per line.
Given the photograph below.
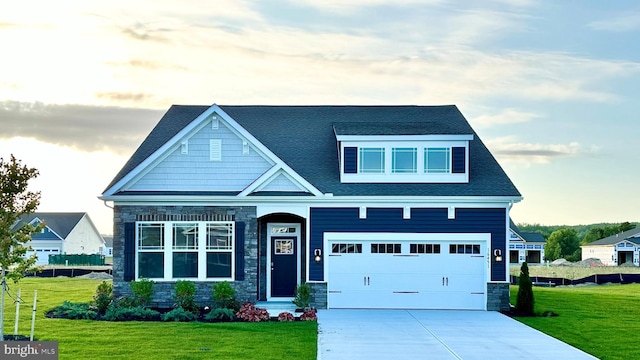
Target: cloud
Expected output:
[123,96]
[508,149]
[622,23]
[506,116]
[146,32]
[87,128]
[355,5]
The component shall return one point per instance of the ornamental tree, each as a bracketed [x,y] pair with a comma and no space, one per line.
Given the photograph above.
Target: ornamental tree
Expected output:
[524,301]
[16,201]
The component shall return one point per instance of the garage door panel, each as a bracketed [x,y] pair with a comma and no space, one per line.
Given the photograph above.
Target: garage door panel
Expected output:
[437,280]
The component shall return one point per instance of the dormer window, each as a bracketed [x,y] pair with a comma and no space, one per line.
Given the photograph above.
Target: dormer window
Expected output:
[401,153]
[437,160]
[404,160]
[371,160]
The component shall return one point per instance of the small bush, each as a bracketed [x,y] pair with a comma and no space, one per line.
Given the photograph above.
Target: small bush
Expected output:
[125,301]
[302,296]
[70,310]
[179,314]
[286,316]
[248,312]
[224,296]
[185,291]
[104,296]
[309,315]
[142,291]
[138,313]
[220,314]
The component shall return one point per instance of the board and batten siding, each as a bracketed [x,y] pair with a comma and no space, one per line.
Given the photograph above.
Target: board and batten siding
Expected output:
[423,220]
[194,171]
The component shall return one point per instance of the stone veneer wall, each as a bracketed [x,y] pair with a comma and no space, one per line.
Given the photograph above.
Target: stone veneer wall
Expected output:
[318,294]
[246,290]
[498,297]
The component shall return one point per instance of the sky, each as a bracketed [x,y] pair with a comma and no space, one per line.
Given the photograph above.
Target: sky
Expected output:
[551,87]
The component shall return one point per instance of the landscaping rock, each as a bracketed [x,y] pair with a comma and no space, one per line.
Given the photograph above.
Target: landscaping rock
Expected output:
[97,276]
[560,262]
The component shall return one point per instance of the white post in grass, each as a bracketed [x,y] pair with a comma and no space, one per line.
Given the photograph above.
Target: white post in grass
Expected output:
[4,283]
[33,314]
[15,327]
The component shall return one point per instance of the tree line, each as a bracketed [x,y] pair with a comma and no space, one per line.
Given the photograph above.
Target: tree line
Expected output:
[563,242]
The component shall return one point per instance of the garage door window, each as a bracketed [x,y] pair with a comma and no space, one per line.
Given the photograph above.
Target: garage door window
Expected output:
[346,248]
[424,248]
[464,249]
[386,248]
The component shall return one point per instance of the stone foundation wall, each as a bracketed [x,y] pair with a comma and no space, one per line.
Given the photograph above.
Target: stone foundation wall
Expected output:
[318,294]
[498,297]
[246,290]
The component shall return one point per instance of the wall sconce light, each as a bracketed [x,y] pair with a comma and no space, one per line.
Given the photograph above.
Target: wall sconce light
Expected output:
[497,253]
[317,255]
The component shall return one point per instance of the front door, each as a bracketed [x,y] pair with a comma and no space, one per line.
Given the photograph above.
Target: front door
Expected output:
[283,266]
[283,260]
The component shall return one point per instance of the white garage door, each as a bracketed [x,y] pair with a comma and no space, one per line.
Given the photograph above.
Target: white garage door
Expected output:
[407,273]
[43,254]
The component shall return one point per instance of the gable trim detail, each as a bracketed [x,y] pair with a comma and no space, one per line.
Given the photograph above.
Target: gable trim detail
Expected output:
[213,113]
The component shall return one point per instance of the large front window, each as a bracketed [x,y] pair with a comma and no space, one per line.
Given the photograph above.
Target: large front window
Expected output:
[185,250]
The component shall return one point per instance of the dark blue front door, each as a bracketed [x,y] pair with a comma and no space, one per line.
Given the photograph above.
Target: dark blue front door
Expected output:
[283,266]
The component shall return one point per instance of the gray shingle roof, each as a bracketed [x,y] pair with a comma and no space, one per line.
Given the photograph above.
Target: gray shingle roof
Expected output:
[60,222]
[304,138]
[533,237]
[632,235]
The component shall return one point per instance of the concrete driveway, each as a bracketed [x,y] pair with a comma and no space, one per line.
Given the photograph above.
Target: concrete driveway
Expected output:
[433,334]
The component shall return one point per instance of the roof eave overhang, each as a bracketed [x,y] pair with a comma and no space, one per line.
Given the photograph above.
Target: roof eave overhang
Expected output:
[326,199]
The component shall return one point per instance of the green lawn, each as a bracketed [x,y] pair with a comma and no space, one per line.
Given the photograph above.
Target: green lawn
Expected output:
[601,320]
[81,339]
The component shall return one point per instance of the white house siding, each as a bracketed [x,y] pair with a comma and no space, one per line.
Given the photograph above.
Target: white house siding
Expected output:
[605,253]
[195,171]
[83,239]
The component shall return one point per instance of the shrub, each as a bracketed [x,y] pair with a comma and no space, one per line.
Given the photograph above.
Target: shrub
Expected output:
[220,314]
[184,297]
[524,300]
[142,291]
[248,312]
[70,310]
[224,296]
[302,296]
[139,313]
[104,296]
[179,314]
[309,315]
[125,301]
[286,316]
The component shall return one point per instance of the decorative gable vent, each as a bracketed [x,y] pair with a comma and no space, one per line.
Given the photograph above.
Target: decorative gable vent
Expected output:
[215,149]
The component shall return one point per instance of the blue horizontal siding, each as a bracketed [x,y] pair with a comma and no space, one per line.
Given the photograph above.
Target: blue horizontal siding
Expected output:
[424,220]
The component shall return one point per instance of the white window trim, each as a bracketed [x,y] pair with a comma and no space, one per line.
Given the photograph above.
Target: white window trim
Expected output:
[201,249]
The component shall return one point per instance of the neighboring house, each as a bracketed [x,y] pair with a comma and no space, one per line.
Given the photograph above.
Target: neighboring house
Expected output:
[617,249]
[108,245]
[64,233]
[525,246]
[372,206]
